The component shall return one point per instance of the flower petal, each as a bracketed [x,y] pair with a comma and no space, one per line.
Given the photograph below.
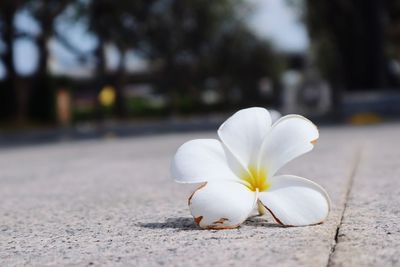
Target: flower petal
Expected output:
[244,132]
[201,160]
[275,115]
[296,201]
[290,137]
[221,204]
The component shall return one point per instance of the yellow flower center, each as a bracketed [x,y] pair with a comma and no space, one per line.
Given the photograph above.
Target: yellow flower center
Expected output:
[256,179]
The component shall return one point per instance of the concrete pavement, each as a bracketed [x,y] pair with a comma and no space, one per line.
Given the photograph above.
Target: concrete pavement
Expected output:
[112,203]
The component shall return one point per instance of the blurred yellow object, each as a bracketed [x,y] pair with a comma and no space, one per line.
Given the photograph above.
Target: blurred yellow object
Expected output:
[365,118]
[107,96]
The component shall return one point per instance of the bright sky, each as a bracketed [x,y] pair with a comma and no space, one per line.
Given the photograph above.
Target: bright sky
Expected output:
[278,22]
[271,19]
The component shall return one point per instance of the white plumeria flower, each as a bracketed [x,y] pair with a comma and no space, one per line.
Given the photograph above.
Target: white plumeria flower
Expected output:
[240,171]
[275,115]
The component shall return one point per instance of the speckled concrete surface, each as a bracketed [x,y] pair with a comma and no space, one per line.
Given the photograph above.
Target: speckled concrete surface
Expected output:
[112,203]
[369,234]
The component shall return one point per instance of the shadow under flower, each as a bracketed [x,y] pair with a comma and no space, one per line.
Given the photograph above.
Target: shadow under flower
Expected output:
[181,223]
[260,221]
[187,223]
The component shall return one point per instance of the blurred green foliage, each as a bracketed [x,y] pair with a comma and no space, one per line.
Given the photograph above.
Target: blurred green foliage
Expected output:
[355,41]
[186,43]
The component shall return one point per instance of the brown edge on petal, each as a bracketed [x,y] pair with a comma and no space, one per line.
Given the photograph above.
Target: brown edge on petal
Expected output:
[289,225]
[190,197]
[221,221]
[197,220]
[215,227]
[276,219]
[314,142]
[222,227]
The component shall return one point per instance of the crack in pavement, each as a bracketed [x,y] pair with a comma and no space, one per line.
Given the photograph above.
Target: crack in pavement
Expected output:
[357,160]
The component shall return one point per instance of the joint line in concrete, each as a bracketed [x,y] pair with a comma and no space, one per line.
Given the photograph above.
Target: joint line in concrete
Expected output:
[357,160]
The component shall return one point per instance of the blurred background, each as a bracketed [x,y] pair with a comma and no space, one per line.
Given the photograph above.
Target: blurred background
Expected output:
[87,68]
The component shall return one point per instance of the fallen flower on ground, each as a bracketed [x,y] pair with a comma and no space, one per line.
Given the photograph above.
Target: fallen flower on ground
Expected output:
[239,172]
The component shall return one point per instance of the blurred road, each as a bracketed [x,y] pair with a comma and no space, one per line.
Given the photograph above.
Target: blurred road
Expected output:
[106,129]
[112,203]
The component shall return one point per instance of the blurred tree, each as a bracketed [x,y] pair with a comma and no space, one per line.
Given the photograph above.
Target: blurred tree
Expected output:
[45,12]
[393,33]
[191,41]
[240,59]
[117,23]
[35,88]
[351,42]
[178,36]
[349,37]
[187,43]
[8,9]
